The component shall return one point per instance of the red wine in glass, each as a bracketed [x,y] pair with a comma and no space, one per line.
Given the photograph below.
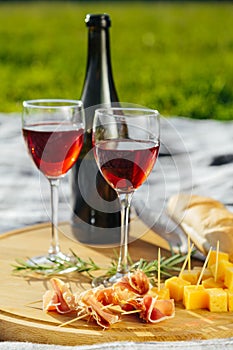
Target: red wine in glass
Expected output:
[126,164]
[125,160]
[53,147]
[53,130]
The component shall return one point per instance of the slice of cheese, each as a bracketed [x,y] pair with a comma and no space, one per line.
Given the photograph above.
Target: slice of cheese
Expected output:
[221,269]
[163,293]
[206,274]
[217,299]
[211,283]
[176,287]
[213,255]
[228,280]
[195,297]
[191,275]
[229,299]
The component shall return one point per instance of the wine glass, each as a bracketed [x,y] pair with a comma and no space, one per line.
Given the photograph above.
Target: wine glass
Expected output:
[126,146]
[53,130]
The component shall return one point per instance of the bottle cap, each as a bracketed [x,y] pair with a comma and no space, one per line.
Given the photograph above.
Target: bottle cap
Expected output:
[98,20]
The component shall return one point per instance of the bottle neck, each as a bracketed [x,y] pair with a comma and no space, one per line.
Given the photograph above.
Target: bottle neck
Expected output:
[98,46]
[99,86]
[99,60]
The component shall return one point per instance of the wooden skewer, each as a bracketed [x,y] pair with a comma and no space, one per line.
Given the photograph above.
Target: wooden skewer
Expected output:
[34,302]
[73,320]
[131,312]
[186,260]
[216,263]
[159,269]
[189,260]
[203,267]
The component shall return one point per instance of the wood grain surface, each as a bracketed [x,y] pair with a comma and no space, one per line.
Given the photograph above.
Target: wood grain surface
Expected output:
[22,318]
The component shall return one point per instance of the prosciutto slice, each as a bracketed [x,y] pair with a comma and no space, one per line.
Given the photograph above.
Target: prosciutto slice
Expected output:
[137,282]
[154,310]
[60,298]
[94,308]
[131,293]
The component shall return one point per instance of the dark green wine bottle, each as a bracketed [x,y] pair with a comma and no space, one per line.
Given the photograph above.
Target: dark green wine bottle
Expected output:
[96,209]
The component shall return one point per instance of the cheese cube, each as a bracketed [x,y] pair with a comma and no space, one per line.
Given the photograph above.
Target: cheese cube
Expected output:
[221,256]
[217,300]
[163,293]
[229,299]
[228,281]
[176,287]
[195,297]
[221,268]
[191,276]
[206,274]
[211,283]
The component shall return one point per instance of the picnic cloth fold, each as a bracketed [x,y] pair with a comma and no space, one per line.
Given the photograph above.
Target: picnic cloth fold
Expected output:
[215,344]
[195,156]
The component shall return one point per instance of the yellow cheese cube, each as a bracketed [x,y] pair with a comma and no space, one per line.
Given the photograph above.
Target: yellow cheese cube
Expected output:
[221,256]
[210,283]
[229,299]
[206,274]
[176,287]
[163,293]
[195,297]
[228,281]
[217,300]
[191,276]
[221,268]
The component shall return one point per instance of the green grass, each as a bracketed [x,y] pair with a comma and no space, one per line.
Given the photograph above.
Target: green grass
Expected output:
[176,57]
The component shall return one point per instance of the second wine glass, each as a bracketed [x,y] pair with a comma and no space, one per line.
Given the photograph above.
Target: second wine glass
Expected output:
[53,132]
[126,146]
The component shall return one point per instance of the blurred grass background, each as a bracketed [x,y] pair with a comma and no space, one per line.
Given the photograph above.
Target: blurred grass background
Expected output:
[176,57]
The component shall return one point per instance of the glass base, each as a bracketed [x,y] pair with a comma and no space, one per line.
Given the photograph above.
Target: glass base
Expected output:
[107,281]
[49,259]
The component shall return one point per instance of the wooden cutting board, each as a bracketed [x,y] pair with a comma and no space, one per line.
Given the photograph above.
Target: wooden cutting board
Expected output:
[22,318]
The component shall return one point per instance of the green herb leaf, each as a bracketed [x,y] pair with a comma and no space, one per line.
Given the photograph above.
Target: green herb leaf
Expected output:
[168,266]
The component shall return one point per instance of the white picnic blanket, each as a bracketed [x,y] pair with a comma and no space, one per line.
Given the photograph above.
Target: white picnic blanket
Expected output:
[215,344]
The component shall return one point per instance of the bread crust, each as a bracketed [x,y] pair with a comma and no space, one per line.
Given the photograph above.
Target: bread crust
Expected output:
[204,220]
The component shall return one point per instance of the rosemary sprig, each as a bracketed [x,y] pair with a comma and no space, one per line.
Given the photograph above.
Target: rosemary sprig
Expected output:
[54,267]
[168,266]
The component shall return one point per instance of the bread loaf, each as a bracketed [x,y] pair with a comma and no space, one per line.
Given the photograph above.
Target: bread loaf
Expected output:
[204,220]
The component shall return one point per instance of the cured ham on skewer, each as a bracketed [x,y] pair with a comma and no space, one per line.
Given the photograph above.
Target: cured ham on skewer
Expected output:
[108,305]
[154,310]
[60,298]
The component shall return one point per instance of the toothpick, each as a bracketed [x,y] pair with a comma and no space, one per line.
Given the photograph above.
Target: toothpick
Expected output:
[216,263]
[203,267]
[159,269]
[186,260]
[189,260]
[34,302]
[73,320]
[131,312]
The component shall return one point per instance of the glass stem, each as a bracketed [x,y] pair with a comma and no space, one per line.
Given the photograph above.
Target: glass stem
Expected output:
[54,248]
[125,200]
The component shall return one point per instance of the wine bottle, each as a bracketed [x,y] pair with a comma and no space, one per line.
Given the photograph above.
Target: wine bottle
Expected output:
[96,209]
